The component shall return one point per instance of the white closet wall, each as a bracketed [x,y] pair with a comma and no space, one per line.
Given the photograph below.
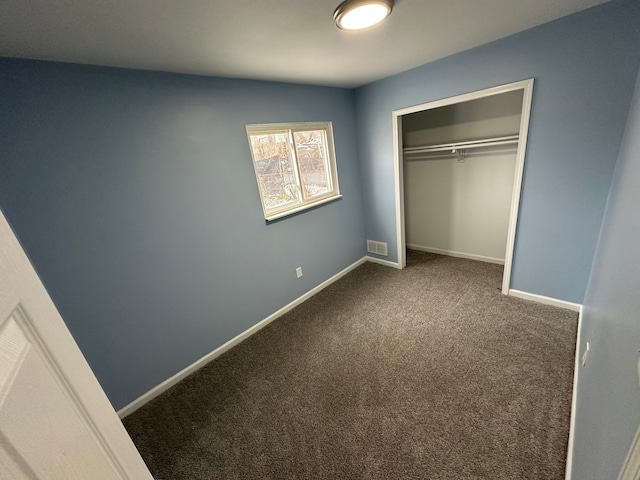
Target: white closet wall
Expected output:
[461,208]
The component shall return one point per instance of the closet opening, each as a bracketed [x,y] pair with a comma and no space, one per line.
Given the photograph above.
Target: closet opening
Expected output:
[459,163]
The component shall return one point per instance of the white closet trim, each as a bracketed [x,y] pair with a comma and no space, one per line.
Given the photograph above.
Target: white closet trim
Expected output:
[527,87]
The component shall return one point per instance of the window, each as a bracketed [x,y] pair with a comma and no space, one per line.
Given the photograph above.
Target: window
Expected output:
[295,166]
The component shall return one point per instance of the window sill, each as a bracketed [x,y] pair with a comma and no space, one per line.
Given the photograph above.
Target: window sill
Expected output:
[301,208]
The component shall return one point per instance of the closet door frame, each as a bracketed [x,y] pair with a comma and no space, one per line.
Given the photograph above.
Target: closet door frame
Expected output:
[527,87]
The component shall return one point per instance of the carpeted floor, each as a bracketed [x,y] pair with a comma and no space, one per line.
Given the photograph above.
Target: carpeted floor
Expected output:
[425,373]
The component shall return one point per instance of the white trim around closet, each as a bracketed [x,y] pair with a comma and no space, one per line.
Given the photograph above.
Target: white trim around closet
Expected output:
[527,87]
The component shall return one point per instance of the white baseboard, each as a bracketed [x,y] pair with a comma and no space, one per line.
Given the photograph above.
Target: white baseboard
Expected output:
[198,364]
[546,300]
[451,253]
[574,400]
[382,262]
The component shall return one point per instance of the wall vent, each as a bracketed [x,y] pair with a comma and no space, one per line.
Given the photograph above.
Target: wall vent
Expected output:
[377,247]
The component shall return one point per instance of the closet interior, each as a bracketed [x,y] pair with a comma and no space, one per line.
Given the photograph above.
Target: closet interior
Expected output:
[459,163]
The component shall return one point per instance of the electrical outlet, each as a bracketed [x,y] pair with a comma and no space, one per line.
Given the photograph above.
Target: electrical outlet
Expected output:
[299,272]
[584,355]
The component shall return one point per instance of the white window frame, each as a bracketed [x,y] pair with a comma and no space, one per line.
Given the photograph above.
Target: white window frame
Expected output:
[332,171]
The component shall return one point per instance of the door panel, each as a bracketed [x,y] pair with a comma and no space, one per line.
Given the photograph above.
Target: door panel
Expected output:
[55,421]
[43,431]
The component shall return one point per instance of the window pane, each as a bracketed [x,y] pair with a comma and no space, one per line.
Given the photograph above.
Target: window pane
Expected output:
[312,162]
[292,180]
[275,170]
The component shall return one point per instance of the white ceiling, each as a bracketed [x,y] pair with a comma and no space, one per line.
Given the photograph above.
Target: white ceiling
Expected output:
[285,40]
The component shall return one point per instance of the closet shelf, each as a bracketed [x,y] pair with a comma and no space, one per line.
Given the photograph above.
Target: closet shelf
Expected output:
[455,147]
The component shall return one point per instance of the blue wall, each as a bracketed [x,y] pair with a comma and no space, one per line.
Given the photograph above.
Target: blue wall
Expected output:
[584,68]
[135,197]
[134,194]
[608,408]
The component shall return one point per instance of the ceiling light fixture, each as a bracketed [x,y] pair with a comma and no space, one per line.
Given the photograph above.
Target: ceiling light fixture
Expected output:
[359,14]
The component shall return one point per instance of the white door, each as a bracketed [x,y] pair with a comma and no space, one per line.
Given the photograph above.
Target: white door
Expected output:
[55,421]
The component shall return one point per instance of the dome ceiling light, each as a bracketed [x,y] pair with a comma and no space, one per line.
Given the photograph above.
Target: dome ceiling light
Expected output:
[359,14]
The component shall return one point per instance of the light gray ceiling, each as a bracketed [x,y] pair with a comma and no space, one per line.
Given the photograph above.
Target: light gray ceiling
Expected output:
[286,40]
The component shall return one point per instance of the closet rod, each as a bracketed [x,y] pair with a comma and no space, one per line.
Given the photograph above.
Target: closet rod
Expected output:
[489,142]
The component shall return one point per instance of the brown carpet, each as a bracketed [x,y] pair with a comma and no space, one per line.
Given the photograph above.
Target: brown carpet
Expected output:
[426,373]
